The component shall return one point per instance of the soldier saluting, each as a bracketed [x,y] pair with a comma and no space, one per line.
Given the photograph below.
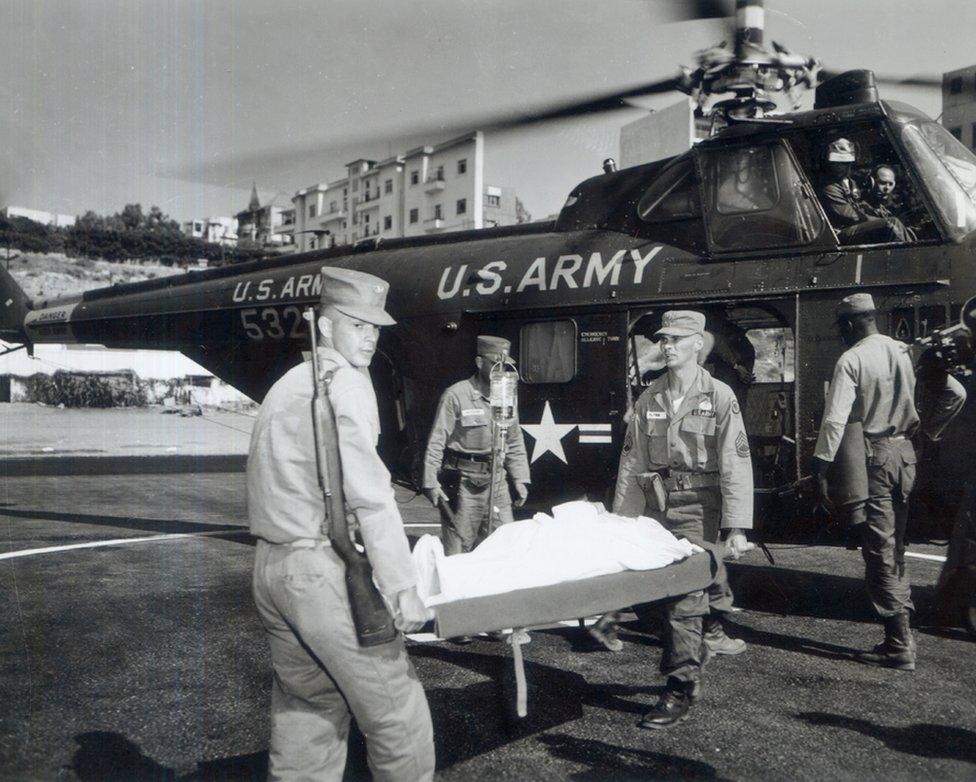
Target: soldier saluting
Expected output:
[321,671]
[686,453]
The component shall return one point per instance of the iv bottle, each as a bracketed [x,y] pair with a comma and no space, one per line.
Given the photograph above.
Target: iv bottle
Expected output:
[503,393]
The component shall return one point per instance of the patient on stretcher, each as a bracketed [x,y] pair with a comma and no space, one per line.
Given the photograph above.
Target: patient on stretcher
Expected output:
[580,540]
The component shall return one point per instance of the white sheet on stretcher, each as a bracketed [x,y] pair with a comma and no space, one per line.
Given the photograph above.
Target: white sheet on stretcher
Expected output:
[580,540]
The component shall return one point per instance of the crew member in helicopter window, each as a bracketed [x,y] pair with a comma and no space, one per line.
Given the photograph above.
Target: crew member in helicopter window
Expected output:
[854,219]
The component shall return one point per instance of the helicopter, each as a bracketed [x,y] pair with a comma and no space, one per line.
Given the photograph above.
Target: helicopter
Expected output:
[736,227]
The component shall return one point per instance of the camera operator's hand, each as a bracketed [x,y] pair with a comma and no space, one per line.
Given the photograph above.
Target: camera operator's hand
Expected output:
[823,490]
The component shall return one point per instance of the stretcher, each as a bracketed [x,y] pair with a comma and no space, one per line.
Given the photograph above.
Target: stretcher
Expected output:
[524,609]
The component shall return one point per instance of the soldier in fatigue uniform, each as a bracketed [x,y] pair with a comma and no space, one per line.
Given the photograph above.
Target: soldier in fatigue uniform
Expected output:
[321,674]
[874,384]
[457,465]
[686,457]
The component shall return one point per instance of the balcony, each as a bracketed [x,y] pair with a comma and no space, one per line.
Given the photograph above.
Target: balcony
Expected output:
[434,184]
[434,224]
[335,214]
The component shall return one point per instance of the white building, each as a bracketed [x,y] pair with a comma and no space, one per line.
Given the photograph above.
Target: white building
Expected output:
[660,134]
[44,218]
[216,230]
[959,104]
[429,189]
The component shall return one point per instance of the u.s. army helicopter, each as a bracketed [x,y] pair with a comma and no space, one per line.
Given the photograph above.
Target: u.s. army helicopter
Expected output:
[736,227]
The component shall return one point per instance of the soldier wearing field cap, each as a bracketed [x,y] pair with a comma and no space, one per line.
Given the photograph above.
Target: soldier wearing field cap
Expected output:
[874,384]
[321,674]
[457,465]
[686,461]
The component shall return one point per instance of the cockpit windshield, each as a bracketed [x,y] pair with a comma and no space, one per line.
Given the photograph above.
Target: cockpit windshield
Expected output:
[948,170]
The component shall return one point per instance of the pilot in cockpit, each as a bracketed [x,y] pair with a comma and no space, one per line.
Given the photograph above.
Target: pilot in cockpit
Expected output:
[854,219]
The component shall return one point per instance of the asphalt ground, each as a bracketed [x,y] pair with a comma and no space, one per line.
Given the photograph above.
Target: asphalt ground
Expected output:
[144,659]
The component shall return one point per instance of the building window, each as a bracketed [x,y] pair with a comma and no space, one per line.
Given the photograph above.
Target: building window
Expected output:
[388,186]
[957,132]
[462,206]
[439,174]
[548,351]
[355,185]
[414,215]
[955,85]
[387,223]
[311,243]
[438,212]
[333,207]
[311,210]
[463,166]
[493,200]
[414,177]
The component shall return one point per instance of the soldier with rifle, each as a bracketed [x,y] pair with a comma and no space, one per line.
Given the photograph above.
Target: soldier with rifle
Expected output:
[312,471]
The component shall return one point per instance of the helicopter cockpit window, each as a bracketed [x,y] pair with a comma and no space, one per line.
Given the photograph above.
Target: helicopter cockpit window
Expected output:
[672,196]
[547,351]
[756,198]
[949,172]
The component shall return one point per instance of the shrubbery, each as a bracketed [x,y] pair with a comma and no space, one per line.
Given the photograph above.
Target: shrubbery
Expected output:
[82,390]
[128,235]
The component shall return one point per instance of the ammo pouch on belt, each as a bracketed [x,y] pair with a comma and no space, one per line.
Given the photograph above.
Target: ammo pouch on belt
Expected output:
[656,485]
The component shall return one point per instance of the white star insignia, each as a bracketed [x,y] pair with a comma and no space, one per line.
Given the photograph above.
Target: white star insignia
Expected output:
[548,435]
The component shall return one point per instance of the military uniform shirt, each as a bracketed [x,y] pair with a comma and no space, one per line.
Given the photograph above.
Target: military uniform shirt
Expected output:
[704,435]
[874,383]
[284,500]
[462,424]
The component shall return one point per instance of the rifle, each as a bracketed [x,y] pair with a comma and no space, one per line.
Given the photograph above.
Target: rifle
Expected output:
[370,615]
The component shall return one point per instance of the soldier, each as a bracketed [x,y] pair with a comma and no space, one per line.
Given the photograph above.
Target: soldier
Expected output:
[686,453]
[874,384]
[459,454]
[321,674]
[853,219]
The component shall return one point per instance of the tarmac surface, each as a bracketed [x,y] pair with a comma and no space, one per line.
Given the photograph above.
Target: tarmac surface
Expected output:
[141,657]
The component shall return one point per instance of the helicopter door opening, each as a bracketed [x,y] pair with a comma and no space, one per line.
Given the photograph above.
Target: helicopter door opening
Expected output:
[750,347]
[870,200]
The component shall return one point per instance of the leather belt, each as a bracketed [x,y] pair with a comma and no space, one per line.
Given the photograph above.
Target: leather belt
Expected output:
[471,462]
[883,437]
[676,480]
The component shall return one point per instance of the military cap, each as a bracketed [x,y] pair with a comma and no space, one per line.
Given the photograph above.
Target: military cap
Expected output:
[356,294]
[840,151]
[681,323]
[855,304]
[493,347]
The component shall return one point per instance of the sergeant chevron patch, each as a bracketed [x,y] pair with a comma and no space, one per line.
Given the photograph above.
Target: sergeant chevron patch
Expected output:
[742,445]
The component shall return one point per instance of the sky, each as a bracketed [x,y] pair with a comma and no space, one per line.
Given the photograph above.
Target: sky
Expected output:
[185,103]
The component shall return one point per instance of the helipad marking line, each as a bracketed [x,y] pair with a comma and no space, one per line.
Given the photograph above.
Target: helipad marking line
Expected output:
[117,542]
[930,557]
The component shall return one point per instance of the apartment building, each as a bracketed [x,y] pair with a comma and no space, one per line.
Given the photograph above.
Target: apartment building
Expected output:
[959,104]
[427,190]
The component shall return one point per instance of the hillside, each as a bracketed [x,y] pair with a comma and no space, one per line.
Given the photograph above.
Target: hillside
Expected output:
[50,276]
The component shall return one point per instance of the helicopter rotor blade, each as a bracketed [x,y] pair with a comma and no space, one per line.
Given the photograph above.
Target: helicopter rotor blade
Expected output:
[918,80]
[693,10]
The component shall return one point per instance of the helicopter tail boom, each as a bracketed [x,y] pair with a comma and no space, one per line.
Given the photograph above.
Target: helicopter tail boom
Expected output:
[14,306]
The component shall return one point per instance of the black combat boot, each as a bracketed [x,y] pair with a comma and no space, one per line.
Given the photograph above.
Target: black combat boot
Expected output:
[898,648]
[671,709]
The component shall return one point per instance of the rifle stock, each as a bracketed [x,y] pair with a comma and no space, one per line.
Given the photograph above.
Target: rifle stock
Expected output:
[370,615]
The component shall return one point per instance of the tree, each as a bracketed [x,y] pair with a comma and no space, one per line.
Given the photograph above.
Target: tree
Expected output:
[132,216]
[521,213]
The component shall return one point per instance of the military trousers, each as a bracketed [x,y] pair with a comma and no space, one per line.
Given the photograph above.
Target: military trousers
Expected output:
[468,496]
[882,521]
[694,514]
[322,677]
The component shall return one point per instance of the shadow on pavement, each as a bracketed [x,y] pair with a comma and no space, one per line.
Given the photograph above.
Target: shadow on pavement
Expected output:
[608,761]
[111,757]
[156,526]
[923,739]
[785,591]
